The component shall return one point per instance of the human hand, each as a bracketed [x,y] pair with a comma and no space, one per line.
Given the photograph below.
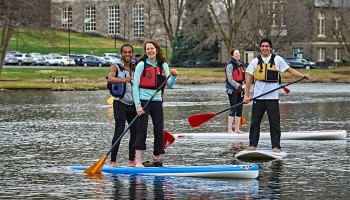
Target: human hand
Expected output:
[173,72]
[246,99]
[140,111]
[306,76]
[243,87]
[128,79]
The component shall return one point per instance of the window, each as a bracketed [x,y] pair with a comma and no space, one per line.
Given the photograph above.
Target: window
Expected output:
[321,24]
[337,54]
[138,17]
[321,54]
[113,20]
[337,26]
[90,19]
[66,17]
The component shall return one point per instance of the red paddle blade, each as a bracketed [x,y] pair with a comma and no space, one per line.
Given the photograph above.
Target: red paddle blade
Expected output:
[286,90]
[199,119]
[168,139]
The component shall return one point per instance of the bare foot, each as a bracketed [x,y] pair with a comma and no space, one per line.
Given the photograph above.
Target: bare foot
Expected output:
[113,164]
[239,132]
[276,150]
[230,131]
[251,148]
[139,165]
[131,163]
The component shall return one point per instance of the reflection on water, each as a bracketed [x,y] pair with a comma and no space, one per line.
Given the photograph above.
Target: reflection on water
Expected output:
[44,132]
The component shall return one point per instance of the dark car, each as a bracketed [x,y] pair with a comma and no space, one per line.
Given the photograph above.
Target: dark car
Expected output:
[296,62]
[77,58]
[94,61]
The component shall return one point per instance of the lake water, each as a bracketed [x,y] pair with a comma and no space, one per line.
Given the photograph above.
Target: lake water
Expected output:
[43,133]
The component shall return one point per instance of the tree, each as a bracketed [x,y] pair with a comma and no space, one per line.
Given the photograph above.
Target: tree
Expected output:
[277,21]
[171,13]
[227,17]
[32,14]
[195,41]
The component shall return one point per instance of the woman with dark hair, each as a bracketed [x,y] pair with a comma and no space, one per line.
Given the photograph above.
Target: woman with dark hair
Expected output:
[150,73]
[234,88]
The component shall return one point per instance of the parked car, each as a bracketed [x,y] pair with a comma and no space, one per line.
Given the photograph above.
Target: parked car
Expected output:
[77,59]
[63,60]
[296,62]
[38,60]
[49,60]
[23,58]
[10,60]
[94,61]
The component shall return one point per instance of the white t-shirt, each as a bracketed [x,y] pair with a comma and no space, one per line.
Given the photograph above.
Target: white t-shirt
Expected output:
[261,87]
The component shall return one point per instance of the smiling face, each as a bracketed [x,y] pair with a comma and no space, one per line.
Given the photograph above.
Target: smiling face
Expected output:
[236,55]
[265,49]
[127,53]
[151,51]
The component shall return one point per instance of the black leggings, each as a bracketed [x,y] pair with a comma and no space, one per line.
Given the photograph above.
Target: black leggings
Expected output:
[155,110]
[235,98]
[273,113]
[123,112]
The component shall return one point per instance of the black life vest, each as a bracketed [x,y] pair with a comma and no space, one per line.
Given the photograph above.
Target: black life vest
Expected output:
[152,77]
[267,72]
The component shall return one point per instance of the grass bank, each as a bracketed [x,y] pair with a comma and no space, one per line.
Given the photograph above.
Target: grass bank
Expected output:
[93,78]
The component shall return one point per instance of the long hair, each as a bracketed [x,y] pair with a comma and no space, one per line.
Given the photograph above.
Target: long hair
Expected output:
[160,56]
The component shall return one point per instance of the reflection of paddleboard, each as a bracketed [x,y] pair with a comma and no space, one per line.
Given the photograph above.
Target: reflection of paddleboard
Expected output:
[260,154]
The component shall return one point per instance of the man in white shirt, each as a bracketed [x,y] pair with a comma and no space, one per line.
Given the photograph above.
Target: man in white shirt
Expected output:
[265,70]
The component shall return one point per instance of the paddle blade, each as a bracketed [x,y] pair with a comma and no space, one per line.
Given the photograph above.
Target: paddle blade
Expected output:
[97,167]
[168,139]
[110,100]
[286,90]
[199,119]
[243,121]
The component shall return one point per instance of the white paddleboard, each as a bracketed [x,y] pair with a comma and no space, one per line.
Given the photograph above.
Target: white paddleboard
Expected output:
[260,154]
[293,135]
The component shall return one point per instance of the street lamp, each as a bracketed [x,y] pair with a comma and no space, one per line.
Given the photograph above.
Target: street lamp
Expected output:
[115,30]
[69,43]
[166,46]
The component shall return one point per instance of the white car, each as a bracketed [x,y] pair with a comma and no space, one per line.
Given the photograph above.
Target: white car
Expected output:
[63,60]
[49,60]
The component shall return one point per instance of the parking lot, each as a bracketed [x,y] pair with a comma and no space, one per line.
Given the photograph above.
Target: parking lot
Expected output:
[55,59]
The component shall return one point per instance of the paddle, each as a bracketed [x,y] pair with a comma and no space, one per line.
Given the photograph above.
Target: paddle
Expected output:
[199,119]
[168,139]
[110,100]
[243,121]
[97,167]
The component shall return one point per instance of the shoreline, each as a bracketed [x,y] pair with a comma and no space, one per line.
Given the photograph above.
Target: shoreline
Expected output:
[101,84]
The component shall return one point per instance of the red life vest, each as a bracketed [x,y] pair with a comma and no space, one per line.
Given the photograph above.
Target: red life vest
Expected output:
[238,71]
[152,77]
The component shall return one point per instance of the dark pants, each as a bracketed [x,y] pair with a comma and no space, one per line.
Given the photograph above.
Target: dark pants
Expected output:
[273,113]
[235,98]
[155,110]
[123,112]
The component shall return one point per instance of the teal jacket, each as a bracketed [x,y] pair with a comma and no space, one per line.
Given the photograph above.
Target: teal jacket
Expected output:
[146,94]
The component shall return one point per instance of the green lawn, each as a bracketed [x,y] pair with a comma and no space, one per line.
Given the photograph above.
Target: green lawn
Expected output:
[93,78]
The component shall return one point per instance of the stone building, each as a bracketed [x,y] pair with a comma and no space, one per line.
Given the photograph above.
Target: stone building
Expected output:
[312,29]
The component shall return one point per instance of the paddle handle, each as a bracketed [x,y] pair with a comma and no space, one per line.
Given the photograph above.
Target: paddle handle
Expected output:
[128,127]
[282,86]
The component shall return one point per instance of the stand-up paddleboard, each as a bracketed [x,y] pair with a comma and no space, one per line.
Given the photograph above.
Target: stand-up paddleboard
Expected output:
[294,135]
[260,154]
[213,171]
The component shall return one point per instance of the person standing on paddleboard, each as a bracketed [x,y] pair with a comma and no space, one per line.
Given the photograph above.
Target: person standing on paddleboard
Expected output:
[120,86]
[266,69]
[150,74]
[235,77]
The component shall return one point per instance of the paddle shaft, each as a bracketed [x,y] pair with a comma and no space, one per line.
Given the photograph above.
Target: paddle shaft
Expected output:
[128,127]
[282,86]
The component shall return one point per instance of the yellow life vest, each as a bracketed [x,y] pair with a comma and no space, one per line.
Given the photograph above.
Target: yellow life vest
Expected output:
[267,72]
